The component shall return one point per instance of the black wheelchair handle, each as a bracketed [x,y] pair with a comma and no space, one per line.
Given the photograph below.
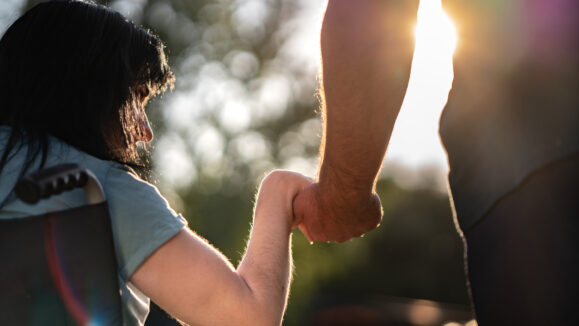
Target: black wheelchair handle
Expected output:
[51,181]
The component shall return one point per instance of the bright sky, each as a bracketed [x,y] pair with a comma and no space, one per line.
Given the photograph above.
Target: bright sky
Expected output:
[415,140]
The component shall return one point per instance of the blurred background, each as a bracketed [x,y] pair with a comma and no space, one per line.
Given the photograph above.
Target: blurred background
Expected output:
[245,103]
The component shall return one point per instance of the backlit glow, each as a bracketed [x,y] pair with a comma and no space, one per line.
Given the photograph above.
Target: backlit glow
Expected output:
[415,141]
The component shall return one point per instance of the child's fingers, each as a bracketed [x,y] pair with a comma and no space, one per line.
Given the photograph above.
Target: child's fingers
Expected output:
[304,181]
[300,183]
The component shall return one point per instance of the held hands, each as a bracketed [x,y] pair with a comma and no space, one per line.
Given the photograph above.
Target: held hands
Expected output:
[322,215]
[327,215]
[277,193]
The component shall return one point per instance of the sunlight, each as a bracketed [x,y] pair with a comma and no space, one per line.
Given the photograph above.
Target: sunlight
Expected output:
[415,141]
[434,29]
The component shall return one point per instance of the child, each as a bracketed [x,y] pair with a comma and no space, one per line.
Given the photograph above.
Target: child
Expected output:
[75,78]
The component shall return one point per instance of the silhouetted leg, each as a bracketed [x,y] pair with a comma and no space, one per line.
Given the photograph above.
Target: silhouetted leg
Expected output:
[523,257]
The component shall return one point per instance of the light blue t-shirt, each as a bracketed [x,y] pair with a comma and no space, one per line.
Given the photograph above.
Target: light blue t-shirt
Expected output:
[142,220]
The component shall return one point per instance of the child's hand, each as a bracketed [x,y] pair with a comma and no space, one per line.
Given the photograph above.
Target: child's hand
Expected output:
[276,195]
[332,214]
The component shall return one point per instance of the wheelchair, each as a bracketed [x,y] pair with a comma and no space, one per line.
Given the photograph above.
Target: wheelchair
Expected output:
[59,268]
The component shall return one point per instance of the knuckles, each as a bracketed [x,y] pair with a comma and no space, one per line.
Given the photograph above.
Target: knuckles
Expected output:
[277,176]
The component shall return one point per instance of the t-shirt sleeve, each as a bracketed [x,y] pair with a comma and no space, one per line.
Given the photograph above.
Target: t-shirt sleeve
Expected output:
[142,219]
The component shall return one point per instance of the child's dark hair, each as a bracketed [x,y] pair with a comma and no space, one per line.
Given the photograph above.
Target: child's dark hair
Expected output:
[76,70]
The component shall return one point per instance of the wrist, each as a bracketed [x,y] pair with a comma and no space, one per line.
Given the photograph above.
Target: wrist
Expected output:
[339,195]
[346,194]
[340,181]
[273,219]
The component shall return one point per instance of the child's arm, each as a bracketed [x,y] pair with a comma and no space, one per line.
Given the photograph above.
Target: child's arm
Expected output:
[195,283]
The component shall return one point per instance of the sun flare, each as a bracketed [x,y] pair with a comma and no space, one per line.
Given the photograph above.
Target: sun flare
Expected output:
[415,140]
[435,30]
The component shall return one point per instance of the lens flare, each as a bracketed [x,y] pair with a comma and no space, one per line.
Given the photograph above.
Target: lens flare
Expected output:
[84,310]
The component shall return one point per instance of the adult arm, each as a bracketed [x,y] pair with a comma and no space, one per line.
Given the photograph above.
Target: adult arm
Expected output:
[366,48]
[195,283]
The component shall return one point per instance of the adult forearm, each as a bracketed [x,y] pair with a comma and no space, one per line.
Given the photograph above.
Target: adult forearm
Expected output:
[355,139]
[367,48]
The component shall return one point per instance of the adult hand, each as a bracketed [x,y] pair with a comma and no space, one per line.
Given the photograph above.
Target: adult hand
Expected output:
[326,215]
